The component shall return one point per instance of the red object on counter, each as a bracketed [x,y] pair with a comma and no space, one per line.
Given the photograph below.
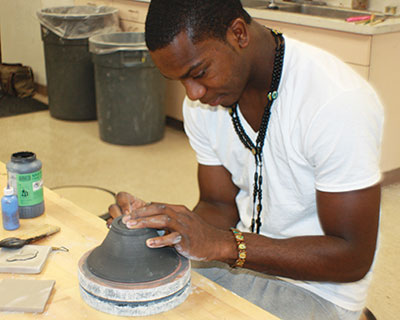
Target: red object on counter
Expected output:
[358,18]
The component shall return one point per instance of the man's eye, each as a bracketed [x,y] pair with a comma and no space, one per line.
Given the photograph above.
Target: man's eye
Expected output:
[200,75]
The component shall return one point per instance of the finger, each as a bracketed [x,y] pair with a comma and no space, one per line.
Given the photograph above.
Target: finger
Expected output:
[124,200]
[136,218]
[137,203]
[172,210]
[160,221]
[170,239]
[134,213]
[175,207]
[114,211]
[109,222]
[150,209]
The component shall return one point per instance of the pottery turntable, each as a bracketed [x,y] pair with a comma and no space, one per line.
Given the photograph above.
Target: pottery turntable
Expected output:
[124,277]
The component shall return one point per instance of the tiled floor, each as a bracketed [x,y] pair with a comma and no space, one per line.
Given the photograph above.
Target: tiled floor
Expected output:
[73,155]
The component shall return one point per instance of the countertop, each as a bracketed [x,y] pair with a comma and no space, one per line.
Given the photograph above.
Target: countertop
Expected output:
[392,24]
[80,232]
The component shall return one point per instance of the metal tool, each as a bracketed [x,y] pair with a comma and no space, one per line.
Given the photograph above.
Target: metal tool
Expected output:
[16,243]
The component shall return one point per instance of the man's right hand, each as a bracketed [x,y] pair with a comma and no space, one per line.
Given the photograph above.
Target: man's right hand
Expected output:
[125,204]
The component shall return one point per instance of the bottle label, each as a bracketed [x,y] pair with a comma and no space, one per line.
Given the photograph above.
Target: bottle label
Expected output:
[29,188]
[12,181]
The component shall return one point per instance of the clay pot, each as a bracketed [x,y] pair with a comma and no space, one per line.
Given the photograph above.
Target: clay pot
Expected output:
[124,257]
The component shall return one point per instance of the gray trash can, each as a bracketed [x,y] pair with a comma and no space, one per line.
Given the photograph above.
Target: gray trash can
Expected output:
[130,90]
[69,68]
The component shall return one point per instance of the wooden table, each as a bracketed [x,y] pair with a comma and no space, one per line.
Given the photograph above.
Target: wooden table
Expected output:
[82,231]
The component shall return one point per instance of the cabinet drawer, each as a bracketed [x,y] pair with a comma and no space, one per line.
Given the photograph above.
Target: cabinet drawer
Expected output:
[349,47]
[130,26]
[131,10]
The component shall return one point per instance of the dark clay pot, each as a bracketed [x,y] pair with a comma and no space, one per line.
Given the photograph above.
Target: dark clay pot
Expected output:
[124,257]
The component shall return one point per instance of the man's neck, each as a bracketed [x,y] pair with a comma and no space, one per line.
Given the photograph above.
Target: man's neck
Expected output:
[254,98]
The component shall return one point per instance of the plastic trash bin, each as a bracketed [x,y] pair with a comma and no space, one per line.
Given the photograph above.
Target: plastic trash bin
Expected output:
[130,90]
[69,68]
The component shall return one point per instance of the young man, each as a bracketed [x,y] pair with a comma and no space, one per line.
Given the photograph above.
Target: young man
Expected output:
[287,139]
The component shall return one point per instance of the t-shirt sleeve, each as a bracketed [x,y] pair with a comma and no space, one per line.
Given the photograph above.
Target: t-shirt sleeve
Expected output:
[343,142]
[197,133]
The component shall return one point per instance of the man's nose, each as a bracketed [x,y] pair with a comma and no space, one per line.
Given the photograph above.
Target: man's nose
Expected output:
[194,90]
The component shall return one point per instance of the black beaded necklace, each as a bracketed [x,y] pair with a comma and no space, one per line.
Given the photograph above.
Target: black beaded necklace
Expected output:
[257,149]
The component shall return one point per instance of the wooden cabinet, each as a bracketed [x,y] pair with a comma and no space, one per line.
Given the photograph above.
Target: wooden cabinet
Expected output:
[384,77]
[131,26]
[132,14]
[131,10]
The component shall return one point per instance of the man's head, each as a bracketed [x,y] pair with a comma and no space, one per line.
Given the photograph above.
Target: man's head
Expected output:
[205,44]
[200,19]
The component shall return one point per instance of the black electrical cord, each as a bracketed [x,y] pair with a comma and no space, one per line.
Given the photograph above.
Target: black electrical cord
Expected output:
[104,216]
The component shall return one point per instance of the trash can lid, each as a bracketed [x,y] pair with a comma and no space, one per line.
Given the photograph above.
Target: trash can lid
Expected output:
[76,12]
[118,41]
[79,22]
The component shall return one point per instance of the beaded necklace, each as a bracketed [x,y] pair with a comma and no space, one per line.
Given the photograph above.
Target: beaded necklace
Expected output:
[257,148]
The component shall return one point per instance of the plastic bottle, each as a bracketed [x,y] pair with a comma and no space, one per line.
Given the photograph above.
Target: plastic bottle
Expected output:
[9,209]
[25,176]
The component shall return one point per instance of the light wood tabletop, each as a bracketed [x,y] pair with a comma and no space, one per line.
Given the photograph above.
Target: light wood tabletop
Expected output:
[80,232]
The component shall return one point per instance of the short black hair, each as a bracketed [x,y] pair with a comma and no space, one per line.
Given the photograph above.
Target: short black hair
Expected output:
[199,18]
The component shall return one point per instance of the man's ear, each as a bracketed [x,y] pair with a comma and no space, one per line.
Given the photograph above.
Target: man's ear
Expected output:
[238,32]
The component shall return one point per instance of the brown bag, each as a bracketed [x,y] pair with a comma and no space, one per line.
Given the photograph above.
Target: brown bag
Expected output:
[17,80]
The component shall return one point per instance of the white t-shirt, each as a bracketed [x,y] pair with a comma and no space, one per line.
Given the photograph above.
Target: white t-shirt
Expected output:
[324,133]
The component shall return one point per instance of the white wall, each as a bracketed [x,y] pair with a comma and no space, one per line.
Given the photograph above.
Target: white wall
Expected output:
[20,33]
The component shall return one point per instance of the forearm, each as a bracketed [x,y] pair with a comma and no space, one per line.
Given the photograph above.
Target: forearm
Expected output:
[217,205]
[314,258]
[219,215]
[345,253]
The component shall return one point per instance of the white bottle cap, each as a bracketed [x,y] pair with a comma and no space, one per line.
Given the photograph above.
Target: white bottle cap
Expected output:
[8,191]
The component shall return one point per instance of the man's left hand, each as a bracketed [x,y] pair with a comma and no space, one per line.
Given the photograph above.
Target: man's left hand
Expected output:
[191,236]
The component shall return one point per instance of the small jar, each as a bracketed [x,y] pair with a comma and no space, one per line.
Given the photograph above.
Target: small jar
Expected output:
[25,176]
[9,209]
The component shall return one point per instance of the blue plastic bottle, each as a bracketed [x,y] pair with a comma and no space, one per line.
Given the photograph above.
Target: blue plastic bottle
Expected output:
[9,209]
